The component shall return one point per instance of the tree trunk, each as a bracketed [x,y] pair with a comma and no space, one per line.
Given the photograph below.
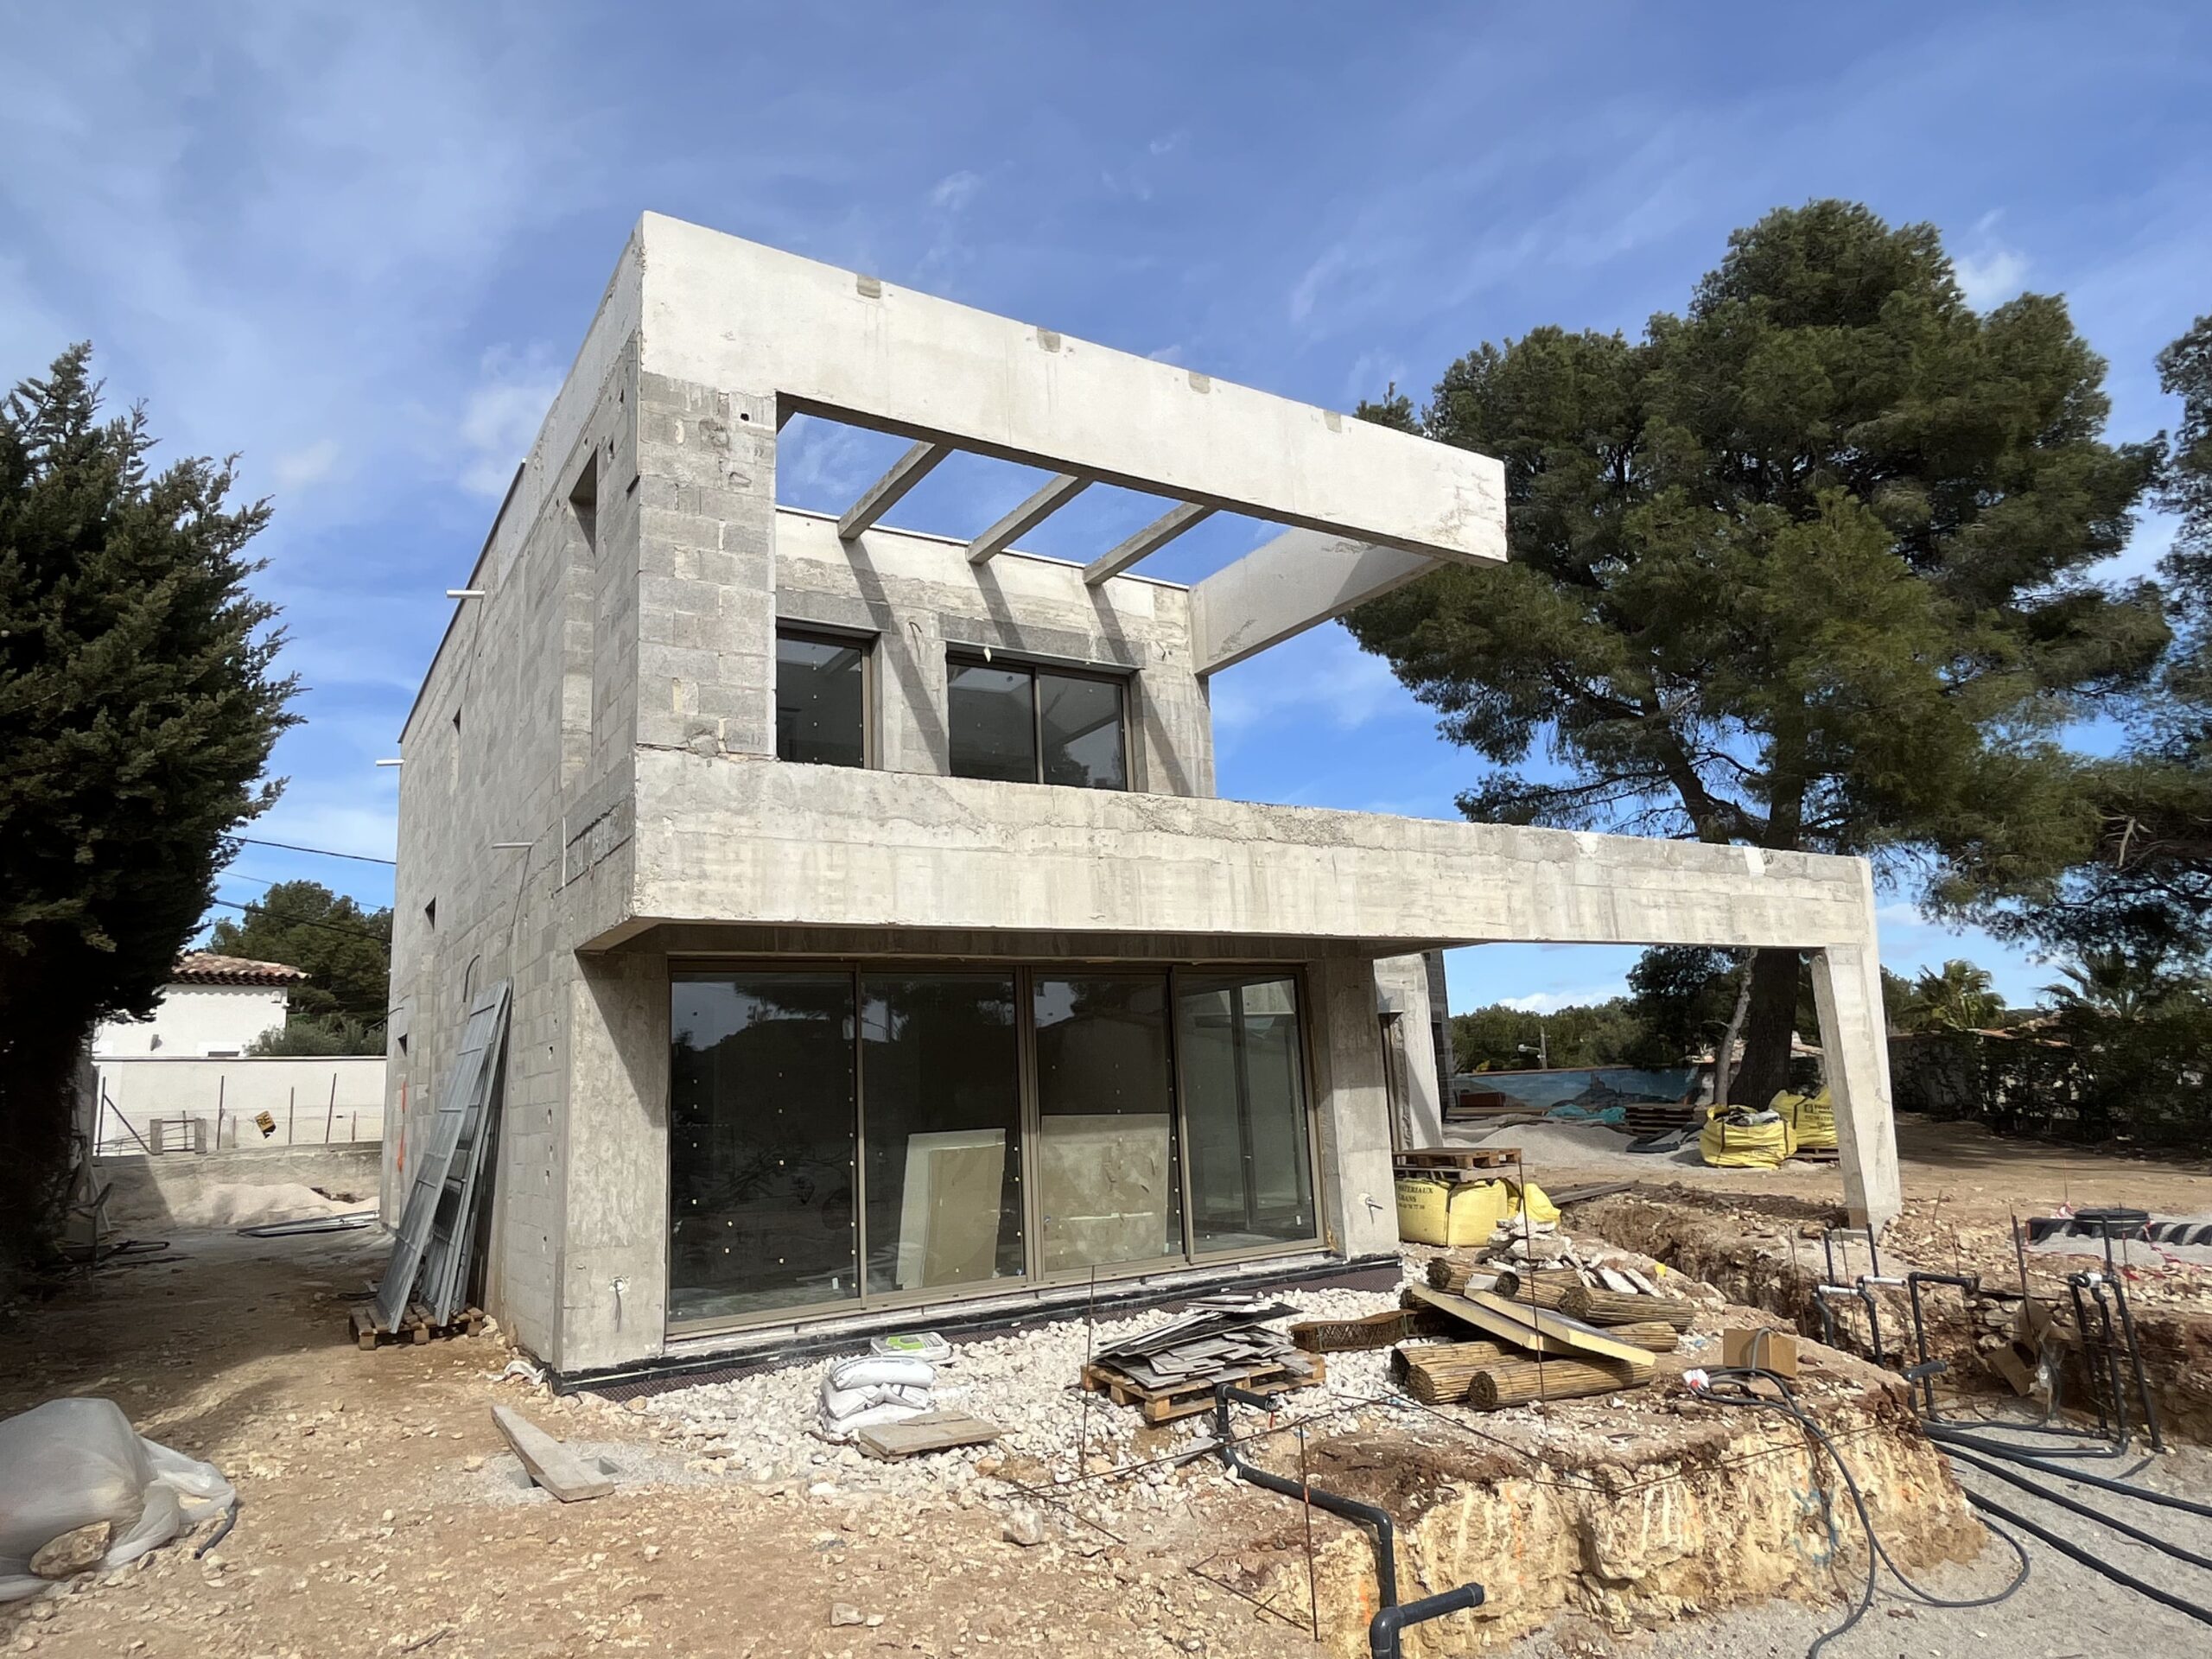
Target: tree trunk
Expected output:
[1724,1056]
[1767,1027]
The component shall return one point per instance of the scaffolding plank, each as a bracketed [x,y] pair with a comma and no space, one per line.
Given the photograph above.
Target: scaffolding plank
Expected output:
[466,1087]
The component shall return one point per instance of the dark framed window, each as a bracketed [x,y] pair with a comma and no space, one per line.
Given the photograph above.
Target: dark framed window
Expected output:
[821,698]
[1020,723]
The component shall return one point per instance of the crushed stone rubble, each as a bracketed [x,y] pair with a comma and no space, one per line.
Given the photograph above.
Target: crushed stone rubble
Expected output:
[765,1429]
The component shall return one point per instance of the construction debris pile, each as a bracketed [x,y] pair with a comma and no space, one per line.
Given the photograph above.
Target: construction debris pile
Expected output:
[1171,1369]
[1533,1319]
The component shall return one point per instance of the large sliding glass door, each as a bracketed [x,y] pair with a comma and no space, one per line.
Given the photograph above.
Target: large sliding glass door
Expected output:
[1108,1187]
[880,1135]
[762,1211]
[1244,1112]
[941,1114]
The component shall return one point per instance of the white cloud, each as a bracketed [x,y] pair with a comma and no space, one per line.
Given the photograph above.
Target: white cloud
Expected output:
[955,191]
[1566,997]
[1992,276]
[298,468]
[502,415]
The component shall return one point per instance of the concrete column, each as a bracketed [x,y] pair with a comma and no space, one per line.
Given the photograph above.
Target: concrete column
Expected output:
[1401,987]
[614,1263]
[1855,1054]
[1359,1208]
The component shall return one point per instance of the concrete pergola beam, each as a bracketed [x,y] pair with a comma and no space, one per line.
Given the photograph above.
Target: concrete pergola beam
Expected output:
[1145,543]
[888,491]
[1056,494]
[719,311]
[1298,580]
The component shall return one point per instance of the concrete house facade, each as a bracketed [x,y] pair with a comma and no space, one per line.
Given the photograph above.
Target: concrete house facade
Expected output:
[879,948]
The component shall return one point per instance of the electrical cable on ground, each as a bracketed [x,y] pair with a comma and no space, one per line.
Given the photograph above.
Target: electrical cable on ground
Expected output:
[1877,1555]
[2067,1546]
[1992,1466]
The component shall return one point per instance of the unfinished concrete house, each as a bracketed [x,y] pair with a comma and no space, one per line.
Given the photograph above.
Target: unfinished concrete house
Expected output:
[881,952]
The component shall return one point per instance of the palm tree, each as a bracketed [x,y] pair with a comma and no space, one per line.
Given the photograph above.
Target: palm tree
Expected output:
[1958,996]
[2113,983]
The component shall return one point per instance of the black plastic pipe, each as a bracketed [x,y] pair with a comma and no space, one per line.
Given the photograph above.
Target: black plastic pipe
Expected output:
[1383,1631]
[1945,1437]
[1392,1616]
[2067,1546]
[2165,1546]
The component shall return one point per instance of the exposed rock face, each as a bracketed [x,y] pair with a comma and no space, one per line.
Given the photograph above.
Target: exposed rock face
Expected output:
[1712,1507]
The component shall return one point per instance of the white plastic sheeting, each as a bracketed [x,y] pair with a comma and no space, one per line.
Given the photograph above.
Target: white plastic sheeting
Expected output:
[70,1463]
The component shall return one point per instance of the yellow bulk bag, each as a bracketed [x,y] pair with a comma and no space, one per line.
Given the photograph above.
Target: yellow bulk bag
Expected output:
[1450,1213]
[1736,1139]
[1811,1119]
[1542,1210]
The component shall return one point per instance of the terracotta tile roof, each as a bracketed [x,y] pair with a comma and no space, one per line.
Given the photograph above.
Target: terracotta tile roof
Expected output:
[206,968]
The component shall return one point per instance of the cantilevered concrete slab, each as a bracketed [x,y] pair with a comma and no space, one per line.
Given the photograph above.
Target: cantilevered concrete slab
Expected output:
[720,311]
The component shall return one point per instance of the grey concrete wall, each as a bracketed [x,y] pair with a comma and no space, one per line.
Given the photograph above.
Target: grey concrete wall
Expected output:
[542,674]
[1359,1210]
[167,1189]
[918,596]
[836,846]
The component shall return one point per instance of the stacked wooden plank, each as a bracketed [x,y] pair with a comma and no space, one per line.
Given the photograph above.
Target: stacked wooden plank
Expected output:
[1519,1351]
[1171,1369]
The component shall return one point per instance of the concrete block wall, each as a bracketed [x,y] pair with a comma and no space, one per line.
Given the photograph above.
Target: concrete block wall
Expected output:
[919,597]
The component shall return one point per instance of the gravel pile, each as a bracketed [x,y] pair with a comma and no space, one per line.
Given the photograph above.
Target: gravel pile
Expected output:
[762,1428]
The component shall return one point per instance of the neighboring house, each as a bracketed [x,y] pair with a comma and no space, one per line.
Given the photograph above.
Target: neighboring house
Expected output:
[212,1008]
[881,952]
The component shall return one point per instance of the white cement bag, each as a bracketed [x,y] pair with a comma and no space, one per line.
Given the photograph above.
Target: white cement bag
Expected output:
[70,1463]
[872,1370]
[840,1403]
[844,1429]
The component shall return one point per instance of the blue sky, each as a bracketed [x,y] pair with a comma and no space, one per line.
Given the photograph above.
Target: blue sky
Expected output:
[358,245]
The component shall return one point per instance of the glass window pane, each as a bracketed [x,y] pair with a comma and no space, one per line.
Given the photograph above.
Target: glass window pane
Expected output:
[940,1073]
[761,1144]
[821,701]
[1108,1184]
[1244,1104]
[992,724]
[1082,729]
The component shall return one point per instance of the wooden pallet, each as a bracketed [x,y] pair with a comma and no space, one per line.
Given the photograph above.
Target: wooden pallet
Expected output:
[414,1326]
[1188,1399]
[1457,1164]
[1817,1155]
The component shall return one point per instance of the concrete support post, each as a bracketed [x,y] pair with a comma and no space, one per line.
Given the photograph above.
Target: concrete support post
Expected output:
[1855,1054]
[614,1263]
[1359,1208]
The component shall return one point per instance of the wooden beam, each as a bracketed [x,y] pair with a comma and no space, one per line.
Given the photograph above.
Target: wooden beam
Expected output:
[1056,494]
[887,492]
[551,1464]
[1146,542]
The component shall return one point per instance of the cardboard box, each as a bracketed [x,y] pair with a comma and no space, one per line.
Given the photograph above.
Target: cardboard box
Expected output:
[1767,1350]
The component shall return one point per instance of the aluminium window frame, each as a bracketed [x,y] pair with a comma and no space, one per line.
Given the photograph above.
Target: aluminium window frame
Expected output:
[1024,972]
[1123,680]
[820,633]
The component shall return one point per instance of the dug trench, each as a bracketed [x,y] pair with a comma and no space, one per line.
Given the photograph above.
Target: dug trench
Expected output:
[1765,1252]
[1632,1510]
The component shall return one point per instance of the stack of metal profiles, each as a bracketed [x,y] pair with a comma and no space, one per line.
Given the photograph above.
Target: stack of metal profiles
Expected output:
[1221,1339]
[437,1228]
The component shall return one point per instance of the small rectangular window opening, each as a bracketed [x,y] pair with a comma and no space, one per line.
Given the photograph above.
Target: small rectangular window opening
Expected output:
[1017,723]
[584,499]
[822,698]
[430,913]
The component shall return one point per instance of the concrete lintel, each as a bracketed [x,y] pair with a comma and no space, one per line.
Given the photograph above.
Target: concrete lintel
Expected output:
[1299,581]
[888,491]
[723,312]
[1056,493]
[1145,543]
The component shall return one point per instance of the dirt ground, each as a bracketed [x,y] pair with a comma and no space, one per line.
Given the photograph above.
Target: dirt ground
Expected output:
[372,1524]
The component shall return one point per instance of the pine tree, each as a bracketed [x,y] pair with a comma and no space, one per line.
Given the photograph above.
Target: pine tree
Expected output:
[1804,568]
[137,709]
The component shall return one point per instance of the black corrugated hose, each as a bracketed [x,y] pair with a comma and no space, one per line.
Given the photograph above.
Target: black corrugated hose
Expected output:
[1734,1389]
